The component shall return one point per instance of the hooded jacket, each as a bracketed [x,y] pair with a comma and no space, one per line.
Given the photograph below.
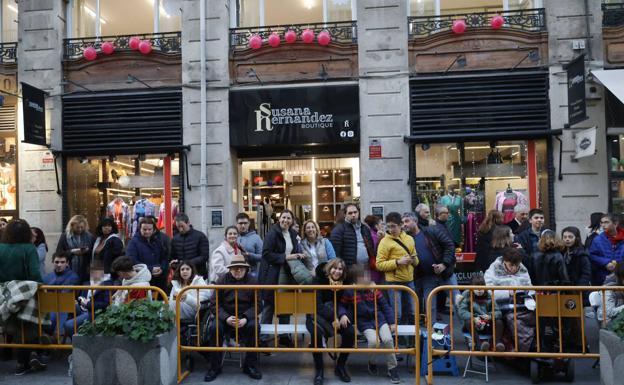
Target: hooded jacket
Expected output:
[221,257]
[366,308]
[113,248]
[496,275]
[142,278]
[480,306]
[187,312]
[192,247]
[601,253]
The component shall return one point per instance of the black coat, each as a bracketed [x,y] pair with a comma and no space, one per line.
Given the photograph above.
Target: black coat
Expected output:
[442,247]
[274,257]
[483,263]
[344,241]
[112,249]
[482,249]
[325,302]
[80,264]
[228,301]
[192,247]
[547,268]
[579,267]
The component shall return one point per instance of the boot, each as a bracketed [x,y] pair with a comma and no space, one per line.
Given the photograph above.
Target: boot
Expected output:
[318,368]
[341,370]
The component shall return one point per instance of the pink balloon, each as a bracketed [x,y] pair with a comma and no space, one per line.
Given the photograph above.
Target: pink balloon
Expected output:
[274,40]
[89,53]
[290,36]
[307,36]
[134,43]
[323,38]
[145,47]
[255,41]
[108,47]
[459,26]
[497,22]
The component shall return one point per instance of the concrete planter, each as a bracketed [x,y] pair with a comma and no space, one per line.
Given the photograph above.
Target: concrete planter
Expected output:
[118,360]
[611,358]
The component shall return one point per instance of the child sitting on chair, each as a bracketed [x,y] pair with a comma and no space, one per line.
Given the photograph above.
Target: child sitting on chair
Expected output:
[376,335]
[481,315]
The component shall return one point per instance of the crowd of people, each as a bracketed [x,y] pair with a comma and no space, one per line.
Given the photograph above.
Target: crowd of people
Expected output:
[409,249]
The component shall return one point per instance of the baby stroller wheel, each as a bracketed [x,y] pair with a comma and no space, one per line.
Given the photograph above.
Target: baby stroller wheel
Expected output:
[569,371]
[535,372]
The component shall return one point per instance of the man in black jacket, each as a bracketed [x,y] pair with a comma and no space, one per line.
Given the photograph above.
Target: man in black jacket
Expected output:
[436,253]
[352,239]
[189,245]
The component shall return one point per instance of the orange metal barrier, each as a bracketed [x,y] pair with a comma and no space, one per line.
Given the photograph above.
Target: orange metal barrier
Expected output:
[554,306]
[54,299]
[299,302]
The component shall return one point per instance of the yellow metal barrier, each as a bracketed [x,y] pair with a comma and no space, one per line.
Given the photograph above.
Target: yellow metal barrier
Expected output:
[298,301]
[553,303]
[56,299]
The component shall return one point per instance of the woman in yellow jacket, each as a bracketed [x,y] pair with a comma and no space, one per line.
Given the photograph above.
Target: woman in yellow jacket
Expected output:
[396,257]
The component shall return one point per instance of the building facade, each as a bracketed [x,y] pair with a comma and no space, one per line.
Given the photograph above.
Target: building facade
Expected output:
[389,104]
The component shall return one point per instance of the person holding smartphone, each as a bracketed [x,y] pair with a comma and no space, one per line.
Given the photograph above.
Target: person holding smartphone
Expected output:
[76,243]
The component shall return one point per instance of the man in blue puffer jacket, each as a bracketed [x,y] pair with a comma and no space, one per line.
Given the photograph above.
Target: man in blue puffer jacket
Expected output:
[607,249]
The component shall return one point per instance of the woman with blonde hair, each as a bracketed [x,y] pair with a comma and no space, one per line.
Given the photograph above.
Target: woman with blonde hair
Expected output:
[76,243]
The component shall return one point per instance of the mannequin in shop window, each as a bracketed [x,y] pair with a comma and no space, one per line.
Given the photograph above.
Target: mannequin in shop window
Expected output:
[474,206]
[161,214]
[142,208]
[507,200]
[454,204]
[120,212]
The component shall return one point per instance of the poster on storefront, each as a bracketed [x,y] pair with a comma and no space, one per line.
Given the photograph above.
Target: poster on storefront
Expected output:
[576,90]
[33,108]
[298,116]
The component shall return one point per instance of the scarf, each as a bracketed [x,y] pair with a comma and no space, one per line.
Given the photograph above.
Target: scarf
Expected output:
[617,238]
[334,283]
[76,241]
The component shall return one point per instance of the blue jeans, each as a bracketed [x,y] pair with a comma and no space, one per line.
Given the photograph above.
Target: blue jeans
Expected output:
[404,301]
[430,282]
[79,320]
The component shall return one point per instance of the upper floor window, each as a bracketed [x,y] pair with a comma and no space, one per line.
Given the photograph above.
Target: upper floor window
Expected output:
[9,21]
[86,18]
[254,13]
[450,7]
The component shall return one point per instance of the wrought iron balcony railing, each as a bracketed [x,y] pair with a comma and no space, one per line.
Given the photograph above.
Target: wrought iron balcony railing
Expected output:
[613,15]
[8,52]
[340,31]
[526,20]
[166,42]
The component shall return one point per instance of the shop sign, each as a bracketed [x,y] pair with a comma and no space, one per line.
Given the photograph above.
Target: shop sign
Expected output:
[216,218]
[47,160]
[576,91]
[585,143]
[295,116]
[33,108]
[378,211]
[374,149]
[465,268]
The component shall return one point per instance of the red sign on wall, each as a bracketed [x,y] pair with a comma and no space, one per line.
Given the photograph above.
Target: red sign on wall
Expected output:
[374,149]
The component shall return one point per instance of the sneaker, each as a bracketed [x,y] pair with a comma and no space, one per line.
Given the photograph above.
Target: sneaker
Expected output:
[21,369]
[372,369]
[485,346]
[394,376]
[500,347]
[36,363]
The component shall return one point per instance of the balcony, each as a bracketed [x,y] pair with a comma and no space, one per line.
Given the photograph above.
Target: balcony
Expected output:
[344,32]
[613,15]
[169,43]
[8,53]
[297,61]
[532,20]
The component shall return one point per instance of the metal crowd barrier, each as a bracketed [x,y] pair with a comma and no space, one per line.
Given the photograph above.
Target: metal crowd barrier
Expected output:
[57,299]
[297,302]
[556,306]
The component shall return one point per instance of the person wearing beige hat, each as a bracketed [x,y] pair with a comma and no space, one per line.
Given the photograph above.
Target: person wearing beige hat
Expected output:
[236,310]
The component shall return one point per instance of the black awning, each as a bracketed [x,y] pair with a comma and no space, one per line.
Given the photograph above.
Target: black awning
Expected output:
[107,150]
[481,136]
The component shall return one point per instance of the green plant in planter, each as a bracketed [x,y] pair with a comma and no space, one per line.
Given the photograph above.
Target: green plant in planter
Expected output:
[617,325]
[138,320]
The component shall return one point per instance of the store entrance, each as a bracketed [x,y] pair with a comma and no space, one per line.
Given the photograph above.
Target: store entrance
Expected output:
[314,189]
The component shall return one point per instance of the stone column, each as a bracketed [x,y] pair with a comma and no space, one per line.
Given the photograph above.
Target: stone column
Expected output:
[41,31]
[221,162]
[384,103]
[584,187]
